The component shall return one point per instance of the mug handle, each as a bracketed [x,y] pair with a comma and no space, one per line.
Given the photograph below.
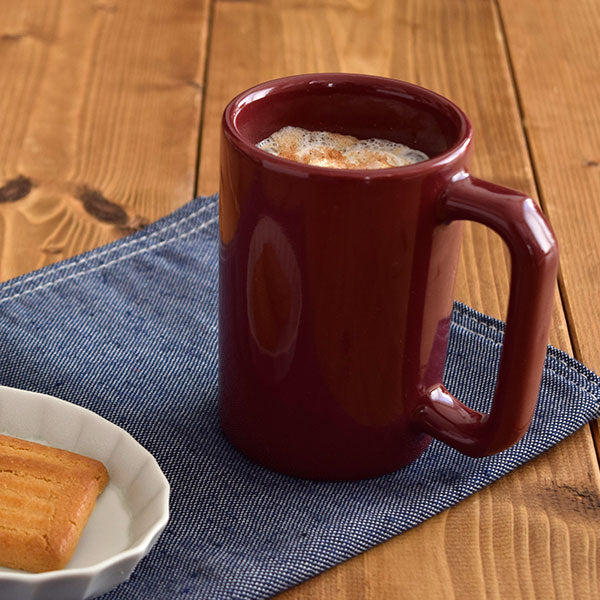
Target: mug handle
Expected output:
[534,263]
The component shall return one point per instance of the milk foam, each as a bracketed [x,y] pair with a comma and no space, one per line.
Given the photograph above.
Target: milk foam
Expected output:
[326,149]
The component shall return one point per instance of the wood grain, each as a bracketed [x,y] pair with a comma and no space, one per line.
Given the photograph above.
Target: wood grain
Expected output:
[519,537]
[532,534]
[99,121]
[559,86]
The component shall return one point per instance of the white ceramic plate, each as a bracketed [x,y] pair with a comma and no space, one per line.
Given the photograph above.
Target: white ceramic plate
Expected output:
[129,515]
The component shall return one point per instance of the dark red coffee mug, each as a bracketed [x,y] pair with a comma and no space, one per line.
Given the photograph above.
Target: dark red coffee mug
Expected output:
[336,286]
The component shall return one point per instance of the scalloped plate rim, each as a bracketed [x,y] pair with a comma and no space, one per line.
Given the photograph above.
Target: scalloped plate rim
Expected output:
[135,552]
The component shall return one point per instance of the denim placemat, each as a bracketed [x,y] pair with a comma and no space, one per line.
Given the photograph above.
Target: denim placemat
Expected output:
[130,331]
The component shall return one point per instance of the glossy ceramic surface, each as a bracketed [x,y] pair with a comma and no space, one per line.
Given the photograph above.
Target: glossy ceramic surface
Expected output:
[336,286]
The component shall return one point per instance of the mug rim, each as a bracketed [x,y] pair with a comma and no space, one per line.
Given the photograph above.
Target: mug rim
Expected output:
[262,90]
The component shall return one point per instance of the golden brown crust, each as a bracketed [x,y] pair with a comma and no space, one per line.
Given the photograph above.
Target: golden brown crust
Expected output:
[46,498]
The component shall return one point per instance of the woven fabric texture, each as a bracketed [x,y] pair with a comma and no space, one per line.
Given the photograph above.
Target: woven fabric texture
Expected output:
[130,331]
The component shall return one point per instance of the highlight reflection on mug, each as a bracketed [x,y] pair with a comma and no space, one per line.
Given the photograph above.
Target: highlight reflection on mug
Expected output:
[274,300]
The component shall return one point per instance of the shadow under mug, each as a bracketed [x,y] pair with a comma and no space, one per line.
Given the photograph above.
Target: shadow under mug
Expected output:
[336,286]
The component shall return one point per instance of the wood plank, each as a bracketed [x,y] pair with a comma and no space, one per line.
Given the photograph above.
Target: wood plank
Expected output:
[559,85]
[526,536]
[507,540]
[99,120]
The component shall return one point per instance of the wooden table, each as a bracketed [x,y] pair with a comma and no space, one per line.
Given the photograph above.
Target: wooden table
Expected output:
[109,118]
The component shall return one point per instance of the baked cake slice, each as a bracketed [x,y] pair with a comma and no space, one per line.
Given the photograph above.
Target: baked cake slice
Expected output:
[46,498]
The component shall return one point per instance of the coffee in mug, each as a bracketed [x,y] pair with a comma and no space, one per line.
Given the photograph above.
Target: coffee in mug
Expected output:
[339,151]
[336,284]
